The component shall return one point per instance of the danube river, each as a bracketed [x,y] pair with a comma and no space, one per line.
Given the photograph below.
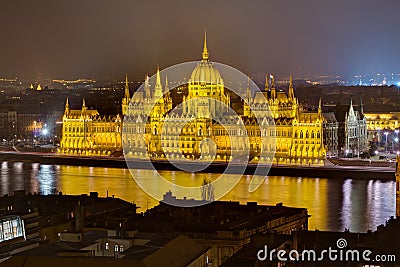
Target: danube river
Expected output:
[334,204]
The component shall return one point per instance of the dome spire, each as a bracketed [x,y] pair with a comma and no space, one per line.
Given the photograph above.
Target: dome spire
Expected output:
[205,51]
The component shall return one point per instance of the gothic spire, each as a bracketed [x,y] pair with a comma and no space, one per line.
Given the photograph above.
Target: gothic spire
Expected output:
[166,88]
[273,89]
[320,108]
[267,82]
[248,90]
[147,87]
[158,90]
[127,95]
[291,89]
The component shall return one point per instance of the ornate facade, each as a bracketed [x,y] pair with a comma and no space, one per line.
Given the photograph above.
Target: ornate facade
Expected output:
[85,132]
[202,126]
[352,130]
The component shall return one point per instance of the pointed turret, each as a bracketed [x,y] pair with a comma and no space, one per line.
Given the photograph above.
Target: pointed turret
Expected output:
[320,109]
[66,112]
[267,82]
[147,87]
[84,108]
[158,90]
[248,90]
[166,88]
[361,108]
[127,95]
[273,89]
[291,89]
[248,97]
[205,51]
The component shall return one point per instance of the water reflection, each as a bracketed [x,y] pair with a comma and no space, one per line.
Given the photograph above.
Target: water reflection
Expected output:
[334,204]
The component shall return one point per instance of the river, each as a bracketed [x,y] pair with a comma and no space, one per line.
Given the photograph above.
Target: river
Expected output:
[334,204]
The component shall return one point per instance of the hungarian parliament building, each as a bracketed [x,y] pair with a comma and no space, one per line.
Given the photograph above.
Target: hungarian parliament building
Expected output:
[152,125]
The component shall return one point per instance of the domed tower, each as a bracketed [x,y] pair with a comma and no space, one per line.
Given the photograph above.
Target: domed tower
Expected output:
[206,84]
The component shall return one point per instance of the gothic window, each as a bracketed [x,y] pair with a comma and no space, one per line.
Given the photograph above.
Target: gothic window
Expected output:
[318,135]
[301,134]
[307,135]
[312,134]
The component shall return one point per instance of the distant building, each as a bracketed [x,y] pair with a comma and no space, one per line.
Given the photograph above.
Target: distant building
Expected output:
[85,132]
[379,123]
[331,127]
[352,130]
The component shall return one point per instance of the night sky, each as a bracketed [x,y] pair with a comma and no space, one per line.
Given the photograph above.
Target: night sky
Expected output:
[103,38]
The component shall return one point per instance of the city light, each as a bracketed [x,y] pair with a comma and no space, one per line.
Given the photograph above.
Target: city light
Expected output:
[45,132]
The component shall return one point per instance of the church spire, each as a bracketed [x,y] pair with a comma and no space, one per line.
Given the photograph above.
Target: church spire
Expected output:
[158,90]
[205,51]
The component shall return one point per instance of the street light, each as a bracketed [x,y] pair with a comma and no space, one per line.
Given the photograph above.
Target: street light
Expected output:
[386,134]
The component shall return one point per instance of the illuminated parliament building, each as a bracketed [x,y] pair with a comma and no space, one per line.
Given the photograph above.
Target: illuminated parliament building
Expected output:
[298,134]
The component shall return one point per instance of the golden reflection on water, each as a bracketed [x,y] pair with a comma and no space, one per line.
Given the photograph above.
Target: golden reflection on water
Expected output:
[334,204]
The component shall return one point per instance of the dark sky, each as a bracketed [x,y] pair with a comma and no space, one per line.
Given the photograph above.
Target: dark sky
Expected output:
[105,38]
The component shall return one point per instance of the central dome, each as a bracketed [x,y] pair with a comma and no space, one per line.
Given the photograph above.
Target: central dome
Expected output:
[205,71]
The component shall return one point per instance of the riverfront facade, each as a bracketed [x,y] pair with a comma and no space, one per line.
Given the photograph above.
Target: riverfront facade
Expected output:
[203,127]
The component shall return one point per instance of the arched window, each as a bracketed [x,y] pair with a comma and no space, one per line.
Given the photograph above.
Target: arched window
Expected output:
[301,134]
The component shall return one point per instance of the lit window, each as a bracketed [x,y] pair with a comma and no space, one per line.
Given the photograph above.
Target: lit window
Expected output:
[121,248]
[116,248]
[107,246]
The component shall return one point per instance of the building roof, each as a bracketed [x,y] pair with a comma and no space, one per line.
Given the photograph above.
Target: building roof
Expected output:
[40,261]
[329,117]
[179,252]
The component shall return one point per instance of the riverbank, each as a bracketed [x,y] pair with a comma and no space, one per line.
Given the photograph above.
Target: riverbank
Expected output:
[334,171]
